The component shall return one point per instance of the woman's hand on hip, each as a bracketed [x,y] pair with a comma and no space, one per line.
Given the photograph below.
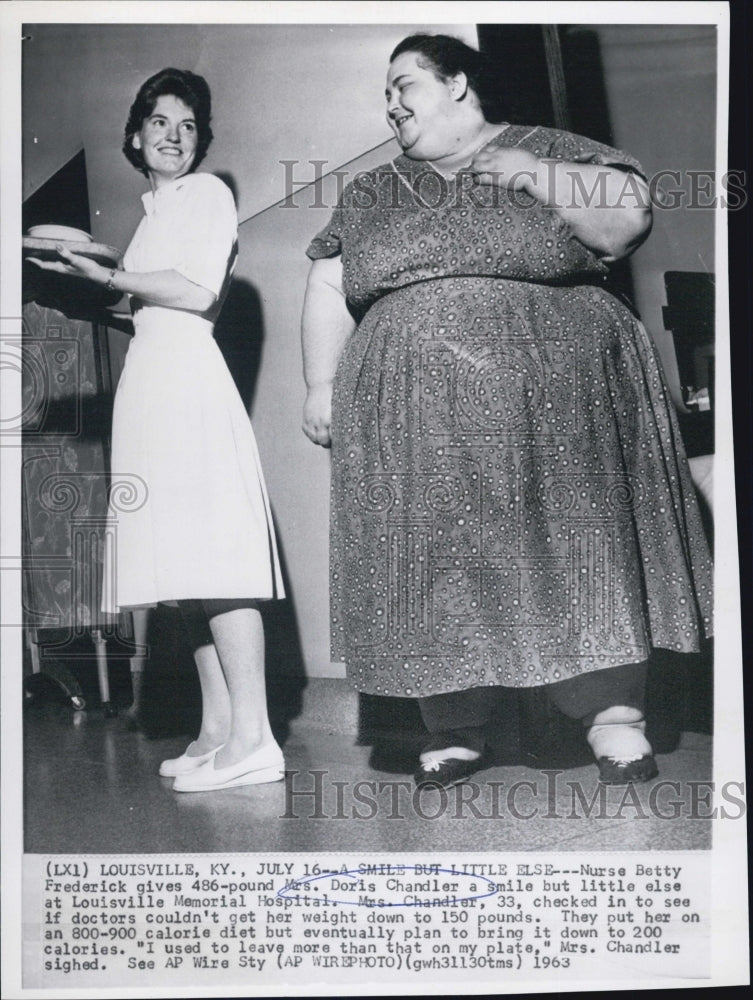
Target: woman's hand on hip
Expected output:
[511,169]
[74,264]
[317,414]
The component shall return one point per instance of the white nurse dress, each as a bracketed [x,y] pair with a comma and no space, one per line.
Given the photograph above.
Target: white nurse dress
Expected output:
[189,513]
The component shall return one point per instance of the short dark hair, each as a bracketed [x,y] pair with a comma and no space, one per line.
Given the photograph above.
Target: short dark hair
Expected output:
[448,56]
[192,89]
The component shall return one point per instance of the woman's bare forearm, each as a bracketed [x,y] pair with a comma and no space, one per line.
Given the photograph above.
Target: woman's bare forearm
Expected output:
[169,289]
[607,209]
[326,324]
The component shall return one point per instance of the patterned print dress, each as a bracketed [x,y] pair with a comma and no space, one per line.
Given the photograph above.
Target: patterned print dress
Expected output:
[511,503]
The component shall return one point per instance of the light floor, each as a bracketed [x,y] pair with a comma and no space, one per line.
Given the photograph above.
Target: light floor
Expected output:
[91,786]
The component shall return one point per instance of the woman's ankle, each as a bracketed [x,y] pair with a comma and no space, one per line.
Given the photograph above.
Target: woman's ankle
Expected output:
[621,738]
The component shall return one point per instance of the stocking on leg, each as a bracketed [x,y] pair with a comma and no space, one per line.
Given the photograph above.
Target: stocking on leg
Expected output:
[456,722]
[618,741]
[610,704]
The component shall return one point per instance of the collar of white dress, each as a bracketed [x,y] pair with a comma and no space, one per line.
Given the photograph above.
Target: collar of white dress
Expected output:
[152,199]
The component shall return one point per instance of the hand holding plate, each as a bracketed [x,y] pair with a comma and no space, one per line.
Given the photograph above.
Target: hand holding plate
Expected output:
[75,264]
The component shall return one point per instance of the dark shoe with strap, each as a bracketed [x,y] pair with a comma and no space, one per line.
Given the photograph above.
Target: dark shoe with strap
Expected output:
[616,771]
[445,773]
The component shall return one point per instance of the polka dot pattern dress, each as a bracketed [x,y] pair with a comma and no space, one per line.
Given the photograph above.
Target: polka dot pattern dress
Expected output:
[511,504]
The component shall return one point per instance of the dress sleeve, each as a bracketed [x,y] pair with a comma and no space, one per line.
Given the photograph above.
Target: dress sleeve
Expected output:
[579,149]
[328,241]
[211,233]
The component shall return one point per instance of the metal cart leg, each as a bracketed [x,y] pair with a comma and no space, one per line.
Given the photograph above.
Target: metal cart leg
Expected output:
[140,620]
[57,673]
[100,646]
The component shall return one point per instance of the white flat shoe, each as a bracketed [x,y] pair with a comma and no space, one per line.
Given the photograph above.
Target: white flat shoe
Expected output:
[185,764]
[263,765]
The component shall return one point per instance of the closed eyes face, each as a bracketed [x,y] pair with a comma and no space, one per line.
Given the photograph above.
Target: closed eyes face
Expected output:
[419,106]
[168,139]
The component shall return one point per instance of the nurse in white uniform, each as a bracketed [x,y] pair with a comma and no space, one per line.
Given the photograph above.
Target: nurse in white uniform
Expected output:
[201,532]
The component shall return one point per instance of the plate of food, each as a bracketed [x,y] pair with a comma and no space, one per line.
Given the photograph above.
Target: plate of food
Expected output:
[65,233]
[46,248]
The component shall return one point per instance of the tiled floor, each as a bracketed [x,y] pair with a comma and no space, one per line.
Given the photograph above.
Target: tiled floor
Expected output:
[91,785]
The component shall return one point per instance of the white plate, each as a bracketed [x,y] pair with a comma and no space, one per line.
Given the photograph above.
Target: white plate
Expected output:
[60,233]
[35,246]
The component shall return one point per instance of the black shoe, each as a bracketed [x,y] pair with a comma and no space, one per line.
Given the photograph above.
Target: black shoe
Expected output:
[446,773]
[613,771]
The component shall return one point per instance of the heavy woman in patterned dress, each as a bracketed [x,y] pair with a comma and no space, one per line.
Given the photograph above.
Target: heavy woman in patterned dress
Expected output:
[511,504]
[201,531]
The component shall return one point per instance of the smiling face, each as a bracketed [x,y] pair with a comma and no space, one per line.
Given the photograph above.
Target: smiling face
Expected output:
[167,139]
[422,109]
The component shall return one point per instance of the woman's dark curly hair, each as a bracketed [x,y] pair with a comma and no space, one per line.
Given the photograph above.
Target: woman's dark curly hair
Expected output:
[192,89]
[446,56]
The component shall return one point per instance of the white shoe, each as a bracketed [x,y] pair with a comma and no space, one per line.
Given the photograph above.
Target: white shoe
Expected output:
[265,764]
[185,764]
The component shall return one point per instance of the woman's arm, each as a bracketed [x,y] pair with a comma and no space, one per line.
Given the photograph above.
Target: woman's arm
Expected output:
[607,209]
[325,328]
[159,288]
